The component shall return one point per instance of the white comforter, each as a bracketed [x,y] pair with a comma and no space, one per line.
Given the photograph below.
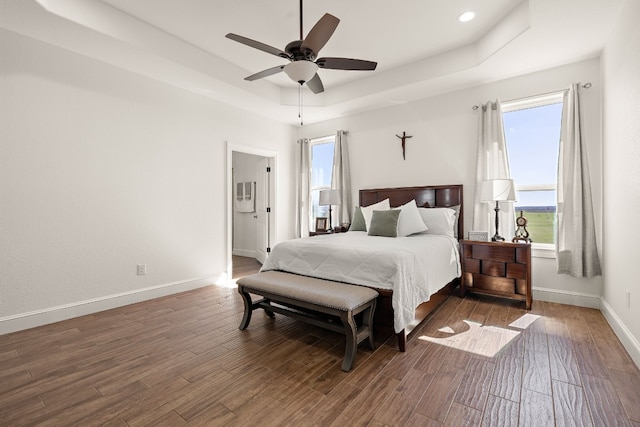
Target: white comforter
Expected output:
[414,267]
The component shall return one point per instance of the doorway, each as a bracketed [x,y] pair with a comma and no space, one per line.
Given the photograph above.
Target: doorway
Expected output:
[251,195]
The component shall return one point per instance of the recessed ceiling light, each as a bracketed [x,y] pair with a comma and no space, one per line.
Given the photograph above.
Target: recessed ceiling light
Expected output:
[466,16]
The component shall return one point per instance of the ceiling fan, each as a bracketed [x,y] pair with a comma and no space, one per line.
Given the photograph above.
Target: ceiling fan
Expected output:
[302,54]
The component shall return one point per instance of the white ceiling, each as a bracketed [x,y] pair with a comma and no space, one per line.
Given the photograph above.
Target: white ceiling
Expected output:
[420,47]
[391,36]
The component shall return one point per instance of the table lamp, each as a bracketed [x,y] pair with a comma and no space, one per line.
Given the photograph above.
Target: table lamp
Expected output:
[498,190]
[329,198]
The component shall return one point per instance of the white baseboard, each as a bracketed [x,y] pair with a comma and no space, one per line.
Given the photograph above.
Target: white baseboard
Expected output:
[625,336]
[244,252]
[565,297]
[22,321]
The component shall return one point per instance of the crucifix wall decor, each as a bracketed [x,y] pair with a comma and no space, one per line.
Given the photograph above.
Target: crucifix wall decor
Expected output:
[403,138]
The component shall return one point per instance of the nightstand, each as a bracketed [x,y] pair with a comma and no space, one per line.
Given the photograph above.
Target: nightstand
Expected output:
[338,229]
[497,268]
[319,233]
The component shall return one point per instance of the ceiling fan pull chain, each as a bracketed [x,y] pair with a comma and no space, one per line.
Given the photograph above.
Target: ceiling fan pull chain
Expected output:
[300,104]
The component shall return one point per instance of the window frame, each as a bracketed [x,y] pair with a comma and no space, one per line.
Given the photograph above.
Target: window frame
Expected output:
[539,250]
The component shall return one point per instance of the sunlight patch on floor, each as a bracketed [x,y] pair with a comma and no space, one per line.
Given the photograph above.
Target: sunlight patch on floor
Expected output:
[231,284]
[524,321]
[487,346]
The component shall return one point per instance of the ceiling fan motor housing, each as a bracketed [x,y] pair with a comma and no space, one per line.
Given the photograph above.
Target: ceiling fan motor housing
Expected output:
[297,54]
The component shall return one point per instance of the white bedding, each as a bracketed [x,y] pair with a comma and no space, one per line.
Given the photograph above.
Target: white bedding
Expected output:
[414,267]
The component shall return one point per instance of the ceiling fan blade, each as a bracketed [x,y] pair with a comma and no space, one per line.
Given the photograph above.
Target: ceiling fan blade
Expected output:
[265,73]
[320,33]
[258,45]
[315,84]
[346,64]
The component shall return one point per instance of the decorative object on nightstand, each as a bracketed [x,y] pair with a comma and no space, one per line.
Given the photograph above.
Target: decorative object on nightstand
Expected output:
[497,268]
[329,198]
[522,235]
[321,224]
[498,190]
[481,236]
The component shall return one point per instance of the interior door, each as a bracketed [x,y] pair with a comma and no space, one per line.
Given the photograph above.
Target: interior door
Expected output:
[262,205]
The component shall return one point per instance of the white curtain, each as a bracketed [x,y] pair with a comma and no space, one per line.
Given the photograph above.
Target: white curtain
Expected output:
[576,251]
[341,179]
[303,178]
[492,163]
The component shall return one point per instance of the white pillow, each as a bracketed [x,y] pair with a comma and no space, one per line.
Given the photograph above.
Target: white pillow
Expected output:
[410,221]
[367,211]
[438,220]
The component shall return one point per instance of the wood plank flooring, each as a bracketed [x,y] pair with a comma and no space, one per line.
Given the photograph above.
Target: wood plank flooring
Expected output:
[244,266]
[181,360]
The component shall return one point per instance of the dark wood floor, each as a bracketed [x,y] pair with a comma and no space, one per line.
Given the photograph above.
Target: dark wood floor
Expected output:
[181,360]
[243,266]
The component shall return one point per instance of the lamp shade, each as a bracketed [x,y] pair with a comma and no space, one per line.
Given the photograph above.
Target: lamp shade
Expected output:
[301,71]
[498,190]
[329,197]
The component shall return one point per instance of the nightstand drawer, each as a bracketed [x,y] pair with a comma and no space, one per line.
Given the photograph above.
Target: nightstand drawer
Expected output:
[517,271]
[497,284]
[493,268]
[522,287]
[523,255]
[493,253]
[471,265]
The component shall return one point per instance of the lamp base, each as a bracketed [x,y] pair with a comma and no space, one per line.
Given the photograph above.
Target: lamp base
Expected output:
[496,237]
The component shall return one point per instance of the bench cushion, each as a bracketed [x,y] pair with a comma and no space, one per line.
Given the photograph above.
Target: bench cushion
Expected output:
[321,292]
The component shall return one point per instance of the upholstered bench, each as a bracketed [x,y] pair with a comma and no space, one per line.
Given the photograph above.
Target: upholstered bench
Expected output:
[316,301]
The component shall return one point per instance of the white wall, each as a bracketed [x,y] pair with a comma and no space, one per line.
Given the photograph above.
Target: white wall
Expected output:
[621,77]
[102,169]
[443,151]
[244,223]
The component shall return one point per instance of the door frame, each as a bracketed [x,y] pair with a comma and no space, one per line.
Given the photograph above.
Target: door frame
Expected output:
[273,156]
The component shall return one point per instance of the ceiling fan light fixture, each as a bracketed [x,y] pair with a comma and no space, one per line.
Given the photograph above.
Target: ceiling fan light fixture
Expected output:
[301,71]
[466,16]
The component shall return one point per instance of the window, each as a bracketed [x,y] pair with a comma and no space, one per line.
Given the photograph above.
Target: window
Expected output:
[321,152]
[532,133]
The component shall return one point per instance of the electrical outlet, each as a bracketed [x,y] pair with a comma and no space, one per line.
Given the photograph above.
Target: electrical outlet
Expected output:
[628,296]
[142,269]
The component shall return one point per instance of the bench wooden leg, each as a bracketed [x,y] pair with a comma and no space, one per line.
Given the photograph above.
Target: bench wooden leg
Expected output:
[350,331]
[367,322]
[270,313]
[248,308]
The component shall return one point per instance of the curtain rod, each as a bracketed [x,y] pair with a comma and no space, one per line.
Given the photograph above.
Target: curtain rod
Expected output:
[346,132]
[584,86]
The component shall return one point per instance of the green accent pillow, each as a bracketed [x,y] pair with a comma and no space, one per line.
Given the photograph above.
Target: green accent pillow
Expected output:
[385,223]
[358,223]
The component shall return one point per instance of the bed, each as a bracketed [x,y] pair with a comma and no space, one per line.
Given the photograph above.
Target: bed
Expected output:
[412,274]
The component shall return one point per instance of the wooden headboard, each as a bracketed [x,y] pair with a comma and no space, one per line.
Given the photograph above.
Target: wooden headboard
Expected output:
[441,196]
